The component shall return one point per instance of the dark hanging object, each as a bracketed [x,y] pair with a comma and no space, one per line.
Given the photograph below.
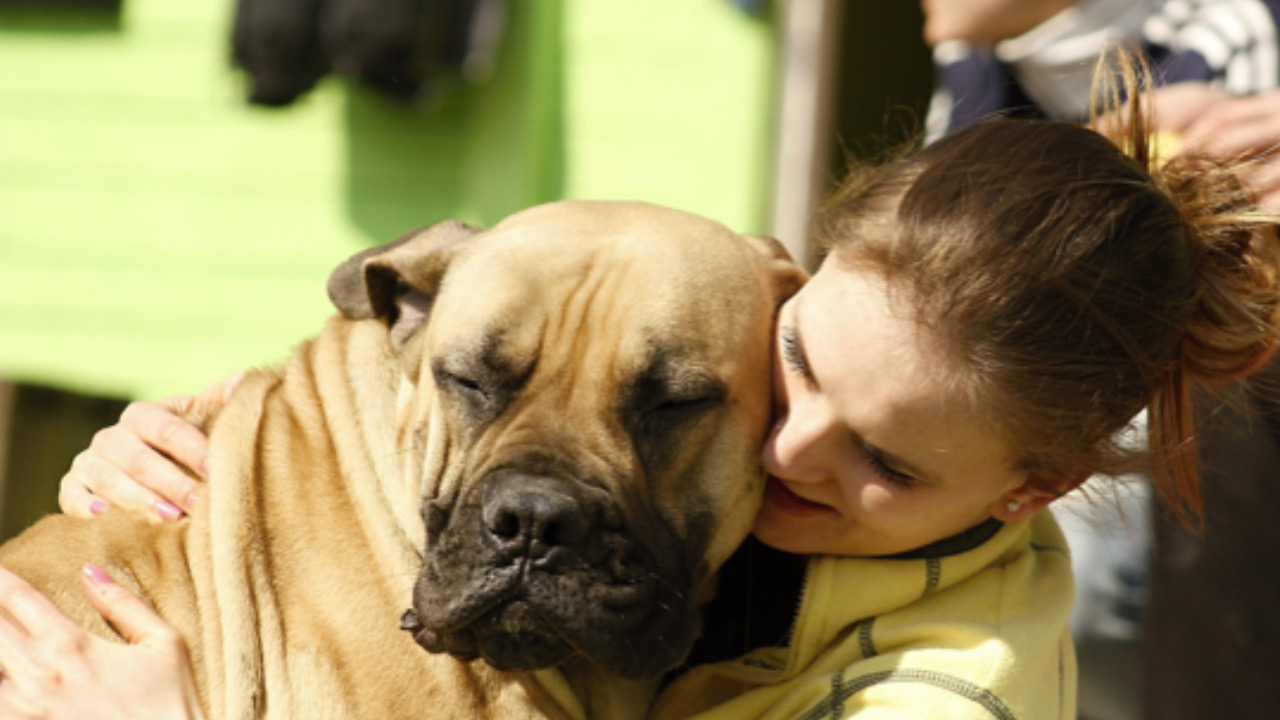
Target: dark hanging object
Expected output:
[278,43]
[384,44]
[393,46]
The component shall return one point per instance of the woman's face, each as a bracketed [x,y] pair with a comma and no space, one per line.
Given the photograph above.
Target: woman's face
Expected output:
[873,453]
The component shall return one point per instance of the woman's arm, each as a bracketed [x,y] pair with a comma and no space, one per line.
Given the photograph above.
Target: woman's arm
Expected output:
[54,670]
[151,462]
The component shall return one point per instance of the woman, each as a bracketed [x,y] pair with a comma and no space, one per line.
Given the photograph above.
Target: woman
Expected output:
[991,313]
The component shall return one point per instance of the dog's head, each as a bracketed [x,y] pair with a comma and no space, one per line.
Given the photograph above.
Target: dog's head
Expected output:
[590,389]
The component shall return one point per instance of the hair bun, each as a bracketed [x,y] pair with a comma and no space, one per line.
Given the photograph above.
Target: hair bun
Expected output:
[1231,325]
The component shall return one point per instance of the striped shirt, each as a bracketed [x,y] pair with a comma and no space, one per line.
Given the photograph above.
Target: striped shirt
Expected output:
[1046,72]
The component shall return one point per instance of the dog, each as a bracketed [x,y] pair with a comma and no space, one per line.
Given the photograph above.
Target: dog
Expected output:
[542,439]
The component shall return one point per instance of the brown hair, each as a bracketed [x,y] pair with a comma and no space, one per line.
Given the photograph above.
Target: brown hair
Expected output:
[1076,280]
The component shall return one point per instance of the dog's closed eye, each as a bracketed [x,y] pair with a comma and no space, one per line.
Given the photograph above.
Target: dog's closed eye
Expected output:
[445,378]
[687,404]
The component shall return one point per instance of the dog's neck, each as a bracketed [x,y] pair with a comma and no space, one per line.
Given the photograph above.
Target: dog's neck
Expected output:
[357,381]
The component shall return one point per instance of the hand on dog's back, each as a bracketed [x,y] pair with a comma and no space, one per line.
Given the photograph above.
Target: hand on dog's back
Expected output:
[151,462]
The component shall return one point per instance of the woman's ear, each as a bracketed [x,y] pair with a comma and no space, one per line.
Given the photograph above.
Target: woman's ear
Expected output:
[1018,505]
[1033,494]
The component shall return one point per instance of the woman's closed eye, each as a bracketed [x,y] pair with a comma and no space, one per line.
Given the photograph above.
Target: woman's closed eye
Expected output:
[880,466]
[794,356]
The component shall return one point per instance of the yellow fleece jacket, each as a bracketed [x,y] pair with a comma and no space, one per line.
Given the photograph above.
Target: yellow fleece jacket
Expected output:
[977,635]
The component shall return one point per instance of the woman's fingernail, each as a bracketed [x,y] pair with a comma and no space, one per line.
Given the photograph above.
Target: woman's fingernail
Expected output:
[190,500]
[97,574]
[97,507]
[167,510]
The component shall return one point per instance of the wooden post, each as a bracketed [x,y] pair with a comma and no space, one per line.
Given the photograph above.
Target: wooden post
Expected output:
[810,39]
[6,423]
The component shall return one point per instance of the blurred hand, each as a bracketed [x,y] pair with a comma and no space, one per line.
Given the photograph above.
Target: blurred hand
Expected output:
[985,22]
[1213,123]
[55,670]
[151,462]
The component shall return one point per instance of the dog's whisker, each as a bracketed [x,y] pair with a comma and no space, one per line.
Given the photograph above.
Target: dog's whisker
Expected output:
[679,595]
[666,645]
[664,606]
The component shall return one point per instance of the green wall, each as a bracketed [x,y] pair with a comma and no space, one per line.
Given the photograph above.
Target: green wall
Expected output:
[157,233]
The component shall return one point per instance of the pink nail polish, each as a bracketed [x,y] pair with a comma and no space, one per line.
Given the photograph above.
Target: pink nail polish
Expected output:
[97,507]
[97,574]
[167,510]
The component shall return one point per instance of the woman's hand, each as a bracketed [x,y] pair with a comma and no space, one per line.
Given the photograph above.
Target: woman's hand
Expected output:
[151,462]
[1210,122]
[55,670]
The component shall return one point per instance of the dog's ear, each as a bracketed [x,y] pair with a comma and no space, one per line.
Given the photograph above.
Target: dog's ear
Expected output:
[787,277]
[397,281]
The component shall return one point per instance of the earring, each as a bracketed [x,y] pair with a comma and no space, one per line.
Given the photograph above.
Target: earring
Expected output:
[1013,506]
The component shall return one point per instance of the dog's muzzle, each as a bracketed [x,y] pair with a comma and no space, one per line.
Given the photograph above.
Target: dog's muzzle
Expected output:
[530,570]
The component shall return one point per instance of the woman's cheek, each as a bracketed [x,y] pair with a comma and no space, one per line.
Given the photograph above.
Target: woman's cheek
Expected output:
[868,495]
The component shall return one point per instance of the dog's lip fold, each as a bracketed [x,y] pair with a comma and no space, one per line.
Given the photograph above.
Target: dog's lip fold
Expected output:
[464,607]
[518,637]
[460,645]
[512,637]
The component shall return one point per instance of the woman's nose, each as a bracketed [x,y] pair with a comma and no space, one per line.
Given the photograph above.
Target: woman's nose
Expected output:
[795,448]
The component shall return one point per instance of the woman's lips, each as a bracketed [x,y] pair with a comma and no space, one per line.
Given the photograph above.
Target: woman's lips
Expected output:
[777,495]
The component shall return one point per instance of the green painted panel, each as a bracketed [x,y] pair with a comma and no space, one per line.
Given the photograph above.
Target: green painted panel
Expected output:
[157,233]
[671,101]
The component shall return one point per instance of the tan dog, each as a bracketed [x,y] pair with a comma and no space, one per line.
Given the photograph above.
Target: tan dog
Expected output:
[573,402]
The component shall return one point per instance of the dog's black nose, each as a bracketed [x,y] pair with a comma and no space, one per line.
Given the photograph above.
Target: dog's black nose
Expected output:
[533,515]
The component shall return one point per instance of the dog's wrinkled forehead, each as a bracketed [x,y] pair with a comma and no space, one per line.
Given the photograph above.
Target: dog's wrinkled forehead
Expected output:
[590,262]
[645,304]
